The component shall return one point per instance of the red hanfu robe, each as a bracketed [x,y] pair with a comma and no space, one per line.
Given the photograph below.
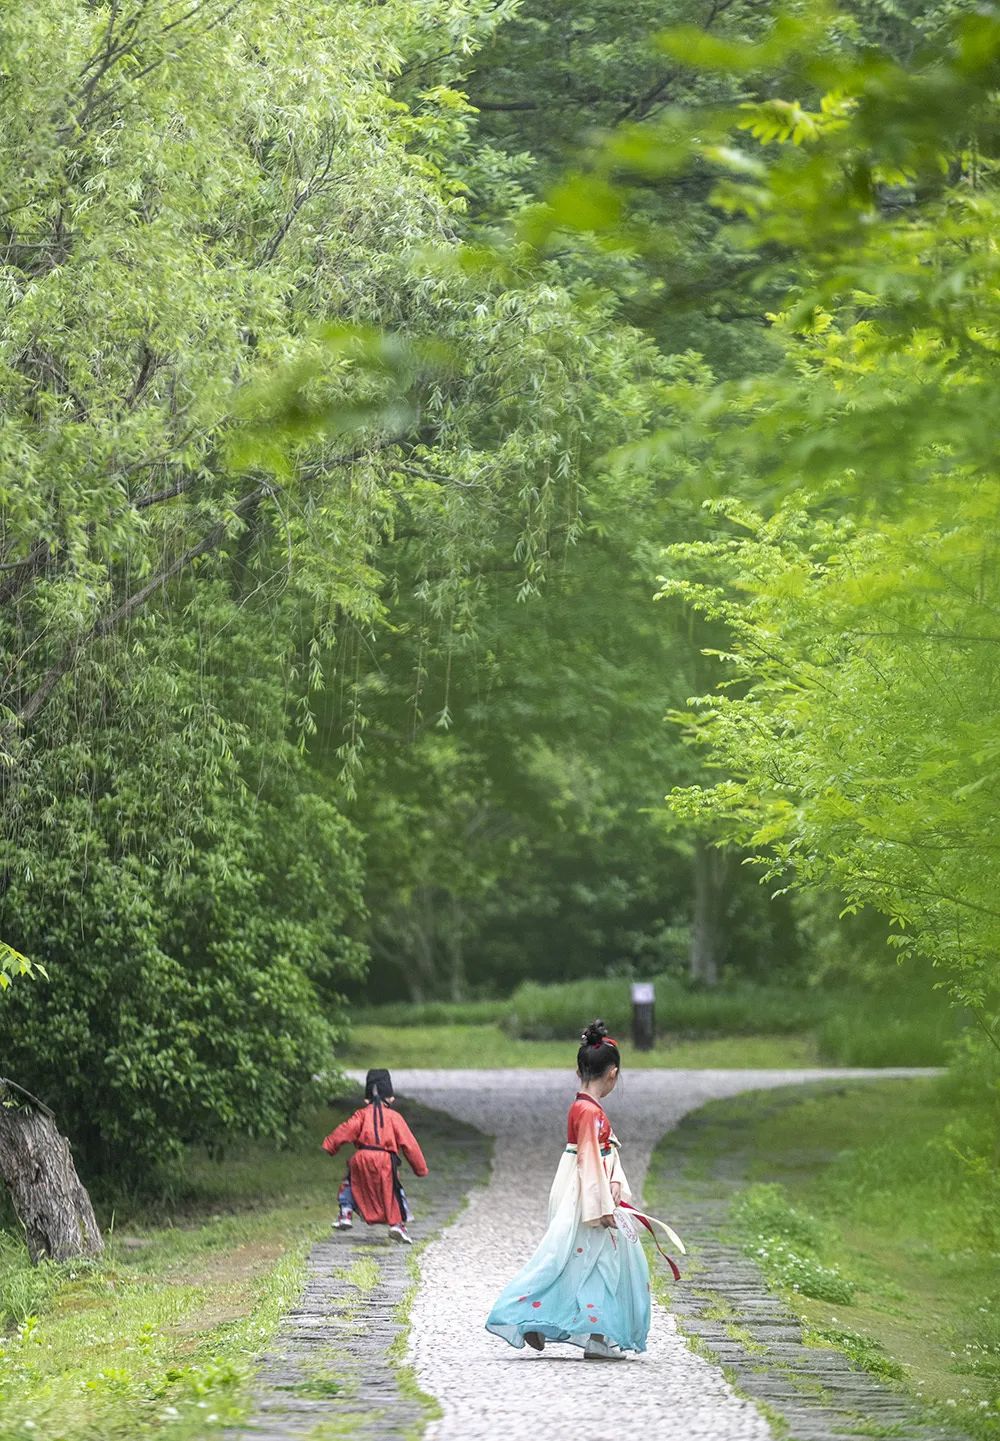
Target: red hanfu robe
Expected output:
[381,1136]
[589,1130]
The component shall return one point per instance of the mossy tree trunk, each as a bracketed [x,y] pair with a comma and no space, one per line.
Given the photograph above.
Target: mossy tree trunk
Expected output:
[36,1165]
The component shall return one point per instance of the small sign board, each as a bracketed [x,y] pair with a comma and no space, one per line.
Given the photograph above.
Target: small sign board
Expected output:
[642,993]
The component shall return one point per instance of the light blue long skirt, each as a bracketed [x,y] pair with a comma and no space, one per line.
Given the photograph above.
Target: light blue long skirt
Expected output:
[582,1281]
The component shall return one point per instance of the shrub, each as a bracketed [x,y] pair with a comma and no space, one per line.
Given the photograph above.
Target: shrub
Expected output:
[553,1012]
[854,1036]
[765,1209]
[863,1350]
[785,1240]
[195,930]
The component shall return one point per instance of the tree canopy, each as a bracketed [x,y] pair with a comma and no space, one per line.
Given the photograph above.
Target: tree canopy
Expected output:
[362,367]
[274,461]
[853,487]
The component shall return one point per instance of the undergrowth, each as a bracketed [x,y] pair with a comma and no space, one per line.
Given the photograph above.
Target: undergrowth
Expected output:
[786,1243]
[872,1207]
[900,1024]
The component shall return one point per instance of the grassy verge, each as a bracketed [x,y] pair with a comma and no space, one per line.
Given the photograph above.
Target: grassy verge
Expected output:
[861,1214]
[543,1012]
[163,1332]
[406,1376]
[479,1046]
[903,1024]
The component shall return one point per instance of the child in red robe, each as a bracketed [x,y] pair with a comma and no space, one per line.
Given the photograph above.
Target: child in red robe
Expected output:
[380,1136]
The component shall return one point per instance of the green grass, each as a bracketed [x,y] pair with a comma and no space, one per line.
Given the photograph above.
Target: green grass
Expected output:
[862,1188]
[162,1333]
[165,1332]
[905,1023]
[549,1012]
[406,1376]
[461,1046]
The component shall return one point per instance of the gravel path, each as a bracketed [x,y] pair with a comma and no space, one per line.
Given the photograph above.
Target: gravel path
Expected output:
[489,1391]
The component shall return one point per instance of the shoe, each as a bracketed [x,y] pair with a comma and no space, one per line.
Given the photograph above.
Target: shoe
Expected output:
[535,1340]
[398,1233]
[597,1349]
[344,1221]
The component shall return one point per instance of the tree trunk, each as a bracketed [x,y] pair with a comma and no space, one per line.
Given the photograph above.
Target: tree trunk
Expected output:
[456,954]
[710,873]
[37,1166]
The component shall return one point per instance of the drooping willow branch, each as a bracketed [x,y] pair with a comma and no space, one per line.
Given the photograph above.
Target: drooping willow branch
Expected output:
[134,602]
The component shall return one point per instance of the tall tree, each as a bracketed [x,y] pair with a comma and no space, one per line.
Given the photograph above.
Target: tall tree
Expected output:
[221,434]
[857,585]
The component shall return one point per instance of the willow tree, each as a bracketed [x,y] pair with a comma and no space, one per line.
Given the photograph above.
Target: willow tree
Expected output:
[224,423]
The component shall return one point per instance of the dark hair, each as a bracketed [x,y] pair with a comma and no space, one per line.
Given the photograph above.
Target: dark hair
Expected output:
[378,1086]
[598,1052]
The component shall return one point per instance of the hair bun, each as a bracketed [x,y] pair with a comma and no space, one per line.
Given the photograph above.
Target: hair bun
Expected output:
[594,1034]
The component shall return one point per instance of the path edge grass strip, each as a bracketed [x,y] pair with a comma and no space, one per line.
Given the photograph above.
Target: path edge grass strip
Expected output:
[819,1386]
[381,1398]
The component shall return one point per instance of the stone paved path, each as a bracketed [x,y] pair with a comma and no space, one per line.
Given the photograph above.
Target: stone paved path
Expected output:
[819,1395]
[490,1392]
[330,1373]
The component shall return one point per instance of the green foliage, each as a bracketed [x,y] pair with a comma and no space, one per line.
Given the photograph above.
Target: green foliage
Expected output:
[510,768]
[159,1335]
[851,580]
[969,1148]
[981,1352]
[675,118]
[559,1011]
[26,1288]
[893,1024]
[329,534]
[553,80]
[864,777]
[866,1353]
[785,1242]
[766,1210]
[477,1047]
[898,1034]
[738,1009]
[266,463]
[12,964]
[221,921]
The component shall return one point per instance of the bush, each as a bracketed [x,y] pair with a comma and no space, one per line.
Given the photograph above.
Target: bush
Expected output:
[554,1012]
[785,1242]
[194,929]
[902,1024]
[872,1035]
[972,1138]
[431,1013]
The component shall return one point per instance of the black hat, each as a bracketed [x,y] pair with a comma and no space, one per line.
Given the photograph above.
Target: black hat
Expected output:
[379,1081]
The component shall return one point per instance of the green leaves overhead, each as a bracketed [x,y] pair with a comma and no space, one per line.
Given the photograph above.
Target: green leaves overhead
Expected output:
[13,964]
[581,202]
[287,440]
[271,452]
[855,579]
[789,35]
[345,379]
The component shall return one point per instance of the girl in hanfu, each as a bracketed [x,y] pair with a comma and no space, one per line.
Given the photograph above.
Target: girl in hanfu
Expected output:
[588,1282]
[380,1136]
